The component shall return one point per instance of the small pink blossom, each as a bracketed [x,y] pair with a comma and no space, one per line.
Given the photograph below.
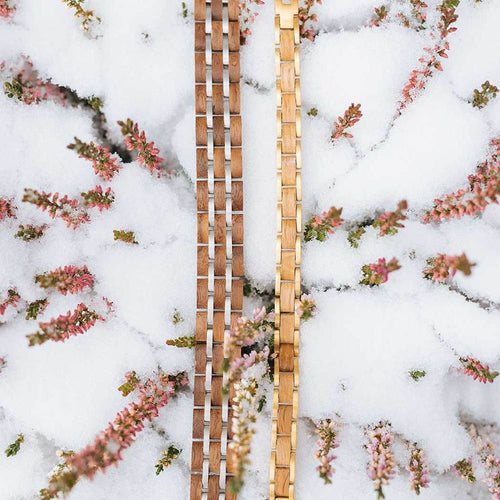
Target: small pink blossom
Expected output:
[306,18]
[109,445]
[66,325]
[418,469]
[381,467]
[67,279]
[5,9]
[444,266]
[6,209]
[12,300]
[327,431]
[306,307]
[98,198]
[352,115]
[105,165]
[378,272]
[135,140]
[318,227]
[475,369]
[57,207]
[390,222]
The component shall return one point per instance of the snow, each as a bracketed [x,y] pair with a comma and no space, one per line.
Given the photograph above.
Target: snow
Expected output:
[357,352]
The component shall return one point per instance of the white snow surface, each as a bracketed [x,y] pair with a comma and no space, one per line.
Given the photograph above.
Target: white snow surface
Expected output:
[356,353]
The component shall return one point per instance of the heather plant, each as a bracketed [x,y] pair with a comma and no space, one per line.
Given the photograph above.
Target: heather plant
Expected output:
[327,431]
[418,469]
[306,307]
[108,446]
[126,236]
[389,222]
[98,198]
[248,14]
[430,61]
[67,279]
[378,272]
[57,207]
[13,448]
[247,332]
[7,209]
[306,18]
[35,308]
[244,416]
[486,451]
[318,227]
[416,375]
[475,369]
[380,14]
[135,140]
[3,363]
[64,326]
[465,470]
[185,341]
[483,189]
[87,16]
[418,15]
[105,165]
[5,9]
[11,300]
[27,87]
[176,317]
[169,455]
[480,98]
[444,266]
[131,382]
[381,467]
[30,232]
[352,115]
[355,235]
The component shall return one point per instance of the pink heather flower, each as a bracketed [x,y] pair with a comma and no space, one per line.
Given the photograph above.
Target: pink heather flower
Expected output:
[378,273]
[27,87]
[6,209]
[3,363]
[247,332]
[483,189]
[390,222]
[108,446]
[327,431]
[306,307]
[429,61]
[5,10]
[98,198]
[352,115]
[492,479]
[305,17]
[104,164]
[66,325]
[382,464]
[419,472]
[248,14]
[444,266]
[239,365]
[131,382]
[12,300]
[319,227]
[63,208]
[67,279]
[475,369]
[135,140]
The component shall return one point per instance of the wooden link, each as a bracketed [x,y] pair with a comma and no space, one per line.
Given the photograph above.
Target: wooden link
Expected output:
[289,224]
[219,193]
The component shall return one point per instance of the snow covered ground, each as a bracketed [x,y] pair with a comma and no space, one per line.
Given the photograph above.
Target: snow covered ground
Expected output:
[358,350]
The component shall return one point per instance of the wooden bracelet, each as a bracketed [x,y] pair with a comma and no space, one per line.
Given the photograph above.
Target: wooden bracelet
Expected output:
[219,189]
[288,251]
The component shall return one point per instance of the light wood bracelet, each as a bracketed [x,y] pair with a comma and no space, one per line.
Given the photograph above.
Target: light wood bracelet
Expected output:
[219,191]
[289,221]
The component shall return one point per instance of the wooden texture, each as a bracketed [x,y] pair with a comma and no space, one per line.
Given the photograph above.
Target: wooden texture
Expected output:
[219,192]
[289,210]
